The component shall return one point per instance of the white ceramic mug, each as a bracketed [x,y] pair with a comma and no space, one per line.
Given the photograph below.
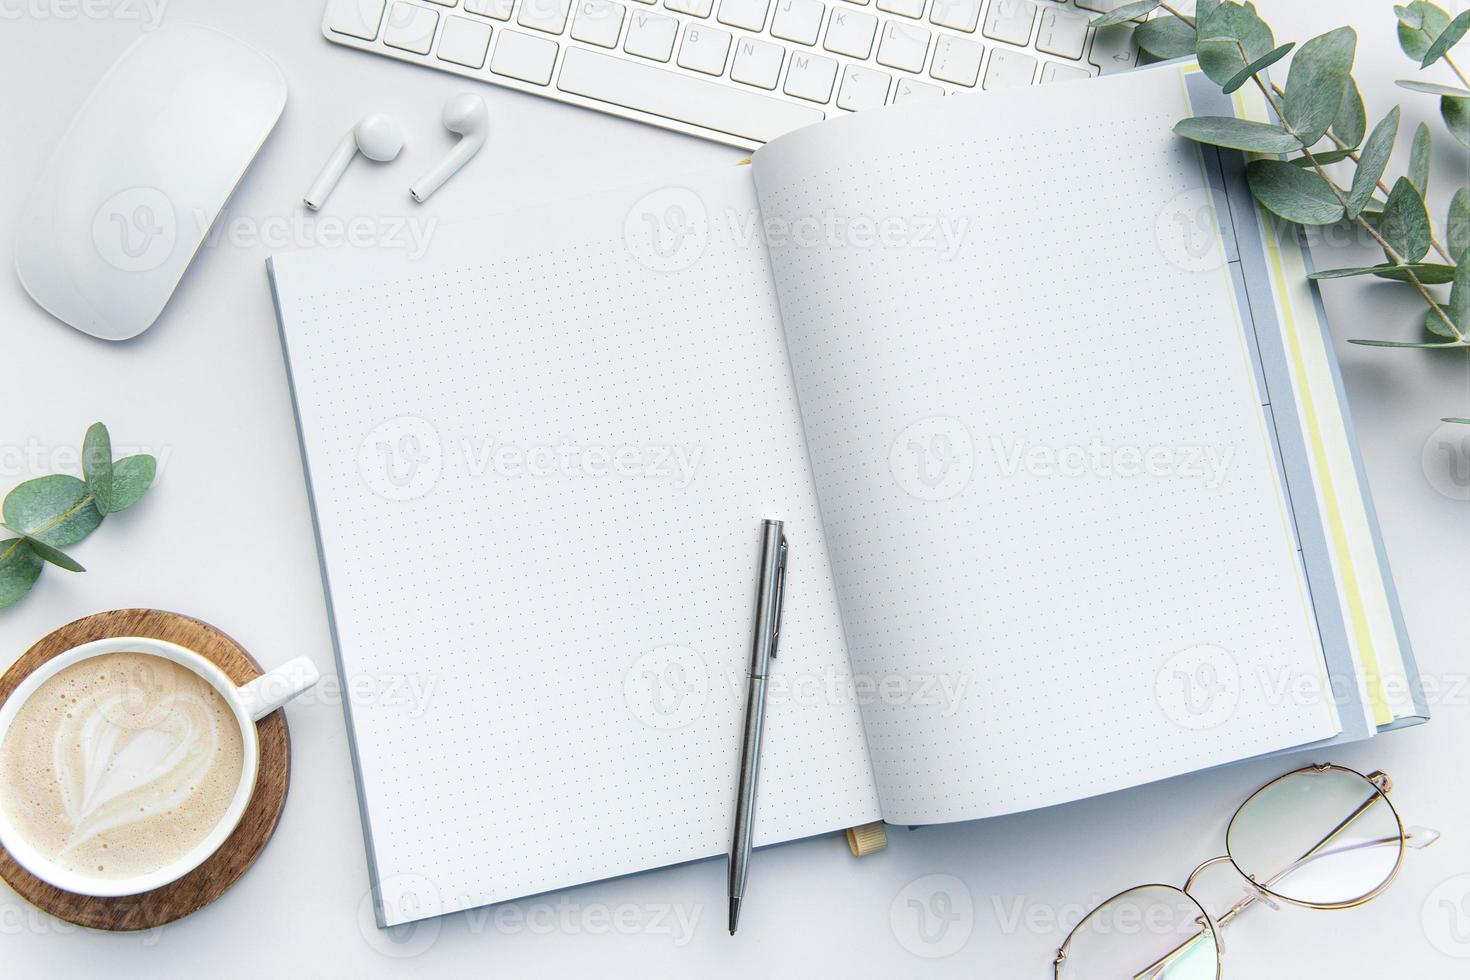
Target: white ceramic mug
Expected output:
[250,703]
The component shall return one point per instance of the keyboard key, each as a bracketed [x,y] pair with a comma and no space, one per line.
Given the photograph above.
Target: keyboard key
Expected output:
[544,15]
[909,90]
[1101,6]
[496,9]
[862,88]
[747,14]
[1062,32]
[798,20]
[757,62]
[445,3]
[704,49]
[810,77]
[651,36]
[464,42]
[902,46]
[356,18]
[410,28]
[1053,72]
[713,105]
[851,33]
[1009,69]
[598,22]
[904,8]
[525,57]
[957,59]
[695,8]
[1010,20]
[958,15]
[1113,49]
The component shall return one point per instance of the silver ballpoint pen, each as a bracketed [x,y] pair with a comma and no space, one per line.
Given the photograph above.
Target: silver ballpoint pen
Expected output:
[770,598]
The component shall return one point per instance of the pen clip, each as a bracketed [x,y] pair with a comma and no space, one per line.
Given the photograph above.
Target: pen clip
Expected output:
[780,596]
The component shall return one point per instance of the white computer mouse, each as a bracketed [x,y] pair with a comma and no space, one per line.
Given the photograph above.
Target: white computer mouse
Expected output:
[140,176]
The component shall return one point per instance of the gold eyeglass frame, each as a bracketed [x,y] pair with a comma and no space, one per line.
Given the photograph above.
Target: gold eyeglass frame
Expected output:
[1381,785]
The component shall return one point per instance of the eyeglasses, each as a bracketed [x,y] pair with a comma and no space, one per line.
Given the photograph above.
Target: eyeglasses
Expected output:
[1323,837]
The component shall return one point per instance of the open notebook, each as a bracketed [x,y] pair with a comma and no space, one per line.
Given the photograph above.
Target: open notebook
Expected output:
[1048,410]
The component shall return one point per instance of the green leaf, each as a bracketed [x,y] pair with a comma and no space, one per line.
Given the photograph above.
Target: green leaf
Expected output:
[1452,419]
[1203,9]
[1259,65]
[55,510]
[1457,226]
[131,478]
[1237,134]
[1318,79]
[1419,159]
[1324,157]
[1373,162]
[1405,223]
[1402,343]
[1433,88]
[97,465]
[1126,13]
[1429,273]
[1456,115]
[1448,38]
[1223,32]
[19,569]
[1420,23]
[1289,192]
[1351,121]
[1165,37]
[1458,308]
[52,555]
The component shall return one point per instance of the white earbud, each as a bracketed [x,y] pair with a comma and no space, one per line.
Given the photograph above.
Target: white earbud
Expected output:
[467,115]
[377,136]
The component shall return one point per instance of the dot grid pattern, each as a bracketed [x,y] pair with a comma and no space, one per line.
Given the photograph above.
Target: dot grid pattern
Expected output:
[529,606]
[1058,601]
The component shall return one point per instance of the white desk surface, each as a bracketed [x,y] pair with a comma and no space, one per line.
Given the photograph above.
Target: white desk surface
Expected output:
[226,536]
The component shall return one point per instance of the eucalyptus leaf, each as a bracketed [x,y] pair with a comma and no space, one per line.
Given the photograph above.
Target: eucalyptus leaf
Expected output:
[1419,153]
[1405,343]
[1351,121]
[1317,81]
[55,510]
[1237,134]
[132,476]
[1404,223]
[1166,37]
[1458,307]
[1125,13]
[1448,38]
[1457,226]
[1292,193]
[1223,32]
[19,569]
[1453,419]
[1437,326]
[1324,157]
[1372,162]
[1420,23]
[1203,9]
[97,466]
[1259,65]
[1433,88]
[1456,115]
[58,558]
[1429,273]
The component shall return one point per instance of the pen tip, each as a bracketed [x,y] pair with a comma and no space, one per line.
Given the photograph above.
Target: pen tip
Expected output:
[734,914]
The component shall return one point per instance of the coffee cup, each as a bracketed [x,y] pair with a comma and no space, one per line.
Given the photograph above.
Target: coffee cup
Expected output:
[126,762]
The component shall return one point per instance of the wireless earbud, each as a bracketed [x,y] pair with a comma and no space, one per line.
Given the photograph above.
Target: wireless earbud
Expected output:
[467,115]
[377,136]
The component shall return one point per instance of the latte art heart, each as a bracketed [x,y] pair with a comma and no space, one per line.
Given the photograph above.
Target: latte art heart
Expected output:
[120,764]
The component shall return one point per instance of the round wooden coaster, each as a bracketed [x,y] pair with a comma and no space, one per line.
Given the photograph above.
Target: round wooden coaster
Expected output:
[208,881]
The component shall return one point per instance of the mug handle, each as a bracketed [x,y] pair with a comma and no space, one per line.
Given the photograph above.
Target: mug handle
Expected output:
[272,690]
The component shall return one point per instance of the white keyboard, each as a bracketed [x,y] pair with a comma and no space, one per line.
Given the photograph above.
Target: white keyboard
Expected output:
[740,71]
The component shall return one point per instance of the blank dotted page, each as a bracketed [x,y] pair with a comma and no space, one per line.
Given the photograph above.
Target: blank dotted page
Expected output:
[1051,503]
[540,456]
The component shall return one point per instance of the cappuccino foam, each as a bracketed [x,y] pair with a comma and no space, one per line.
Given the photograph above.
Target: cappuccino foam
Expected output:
[120,765]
